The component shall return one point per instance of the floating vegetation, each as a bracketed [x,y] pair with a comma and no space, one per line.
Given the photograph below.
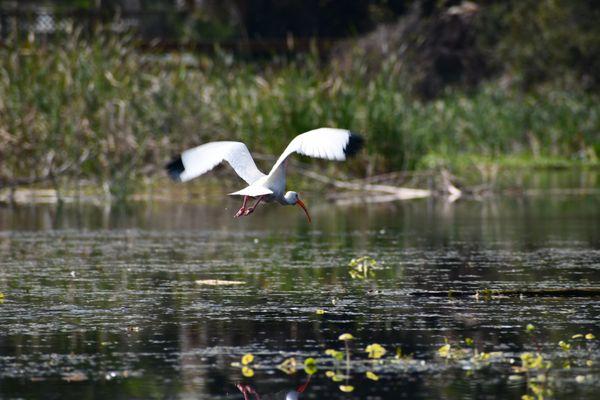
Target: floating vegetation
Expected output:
[245,364]
[310,366]
[338,355]
[346,337]
[288,366]
[564,345]
[363,267]
[452,352]
[372,376]
[532,362]
[346,388]
[375,350]
[247,359]
[534,368]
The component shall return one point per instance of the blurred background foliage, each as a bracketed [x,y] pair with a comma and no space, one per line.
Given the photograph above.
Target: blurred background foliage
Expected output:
[105,91]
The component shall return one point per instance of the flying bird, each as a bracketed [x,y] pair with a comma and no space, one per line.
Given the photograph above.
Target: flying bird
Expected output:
[327,143]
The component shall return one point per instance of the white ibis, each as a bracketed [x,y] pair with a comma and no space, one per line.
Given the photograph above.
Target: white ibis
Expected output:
[327,143]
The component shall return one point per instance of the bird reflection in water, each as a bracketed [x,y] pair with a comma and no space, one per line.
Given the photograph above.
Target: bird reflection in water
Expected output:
[248,390]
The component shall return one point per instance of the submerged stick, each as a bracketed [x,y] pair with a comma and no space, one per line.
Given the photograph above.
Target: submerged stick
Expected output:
[488,293]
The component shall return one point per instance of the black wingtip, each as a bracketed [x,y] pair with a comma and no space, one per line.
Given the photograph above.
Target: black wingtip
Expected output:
[175,168]
[355,143]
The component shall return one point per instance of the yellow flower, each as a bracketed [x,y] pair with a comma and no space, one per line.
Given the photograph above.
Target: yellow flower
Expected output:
[329,374]
[338,355]
[346,336]
[247,359]
[590,336]
[320,312]
[375,350]
[248,372]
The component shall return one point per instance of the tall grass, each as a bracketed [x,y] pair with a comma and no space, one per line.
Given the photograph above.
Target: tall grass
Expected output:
[101,111]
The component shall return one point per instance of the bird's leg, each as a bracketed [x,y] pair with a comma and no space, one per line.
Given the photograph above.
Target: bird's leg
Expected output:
[245,389]
[242,210]
[303,387]
[254,392]
[251,209]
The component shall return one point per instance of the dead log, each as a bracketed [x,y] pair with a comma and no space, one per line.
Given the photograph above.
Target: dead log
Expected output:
[399,193]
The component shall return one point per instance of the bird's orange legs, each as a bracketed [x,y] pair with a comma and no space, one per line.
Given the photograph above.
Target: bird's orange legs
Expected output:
[247,211]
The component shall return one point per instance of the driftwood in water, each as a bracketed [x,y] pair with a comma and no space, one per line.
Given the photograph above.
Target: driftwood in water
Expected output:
[488,293]
[393,192]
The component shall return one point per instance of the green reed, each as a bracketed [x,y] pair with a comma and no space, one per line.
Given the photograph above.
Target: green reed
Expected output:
[100,111]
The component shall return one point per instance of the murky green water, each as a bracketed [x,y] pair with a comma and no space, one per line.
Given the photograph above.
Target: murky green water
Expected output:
[103,302]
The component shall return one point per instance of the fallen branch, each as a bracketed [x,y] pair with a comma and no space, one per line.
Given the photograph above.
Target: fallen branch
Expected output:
[398,192]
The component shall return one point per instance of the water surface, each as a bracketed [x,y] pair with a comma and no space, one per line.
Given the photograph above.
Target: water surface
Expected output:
[102,302]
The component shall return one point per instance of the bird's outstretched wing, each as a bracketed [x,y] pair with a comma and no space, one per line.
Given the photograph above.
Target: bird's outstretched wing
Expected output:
[327,143]
[199,160]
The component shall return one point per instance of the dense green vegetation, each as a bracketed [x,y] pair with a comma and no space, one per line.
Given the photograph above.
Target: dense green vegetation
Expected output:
[103,112]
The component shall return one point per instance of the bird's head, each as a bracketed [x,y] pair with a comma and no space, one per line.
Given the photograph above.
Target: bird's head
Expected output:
[292,198]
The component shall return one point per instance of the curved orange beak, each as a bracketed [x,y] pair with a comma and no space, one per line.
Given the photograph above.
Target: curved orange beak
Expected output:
[301,204]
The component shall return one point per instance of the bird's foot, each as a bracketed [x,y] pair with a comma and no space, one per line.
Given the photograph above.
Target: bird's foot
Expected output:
[249,211]
[247,389]
[241,212]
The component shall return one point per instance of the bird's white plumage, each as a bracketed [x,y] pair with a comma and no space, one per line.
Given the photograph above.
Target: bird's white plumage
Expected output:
[327,143]
[202,159]
[253,191]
